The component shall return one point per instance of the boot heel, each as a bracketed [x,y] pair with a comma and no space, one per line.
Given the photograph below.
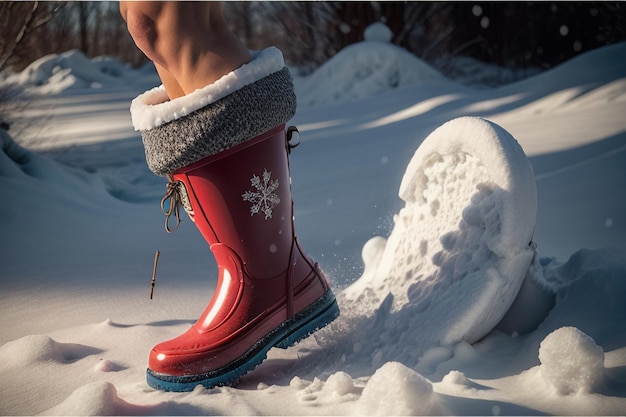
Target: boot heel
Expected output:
[317,316]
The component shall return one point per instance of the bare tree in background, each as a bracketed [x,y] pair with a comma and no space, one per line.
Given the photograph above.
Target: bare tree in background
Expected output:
[240,16]
[95,28]
[30,30]
[20,22]
[20,25]
[304,31]
[309,33]
[109,36]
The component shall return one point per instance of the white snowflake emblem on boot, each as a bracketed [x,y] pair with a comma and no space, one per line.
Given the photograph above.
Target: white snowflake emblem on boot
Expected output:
[263,199]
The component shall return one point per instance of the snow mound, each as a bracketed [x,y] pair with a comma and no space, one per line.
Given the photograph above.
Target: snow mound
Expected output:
[339,384]
[362,70]
[455,378]
[111,66]
[377,32]
[397,390]
[96,399]
[55,73]
[571,361]
[40,348]
[108,366]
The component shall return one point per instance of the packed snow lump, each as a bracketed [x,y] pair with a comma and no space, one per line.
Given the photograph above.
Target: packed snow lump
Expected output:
[571,361]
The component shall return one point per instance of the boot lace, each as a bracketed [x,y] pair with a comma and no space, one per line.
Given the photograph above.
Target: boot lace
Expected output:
[175,196]
[170,205]
[291,143]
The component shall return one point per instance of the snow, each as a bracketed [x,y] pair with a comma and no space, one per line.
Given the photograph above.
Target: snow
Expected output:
[463,234]
[54,74]
[395,389]
[362,70]
[81,222]
[571,361]
[377,32]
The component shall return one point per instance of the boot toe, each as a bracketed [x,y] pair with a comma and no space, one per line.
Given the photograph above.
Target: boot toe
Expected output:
[182,363]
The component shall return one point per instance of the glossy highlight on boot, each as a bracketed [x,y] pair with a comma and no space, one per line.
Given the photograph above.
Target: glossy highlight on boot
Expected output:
[316,316]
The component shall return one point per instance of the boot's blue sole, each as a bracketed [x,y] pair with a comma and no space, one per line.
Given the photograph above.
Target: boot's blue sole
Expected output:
[314,317]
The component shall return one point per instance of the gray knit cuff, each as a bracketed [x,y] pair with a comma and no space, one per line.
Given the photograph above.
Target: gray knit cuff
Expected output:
[234,119]
[239,106]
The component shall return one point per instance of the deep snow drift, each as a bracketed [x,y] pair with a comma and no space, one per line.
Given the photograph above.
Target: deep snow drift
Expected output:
[81,222]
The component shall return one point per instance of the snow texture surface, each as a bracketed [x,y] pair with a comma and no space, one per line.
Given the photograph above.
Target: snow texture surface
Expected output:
[81,222]
[571,361]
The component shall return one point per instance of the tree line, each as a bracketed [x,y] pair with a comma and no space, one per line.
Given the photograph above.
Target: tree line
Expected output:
[513,34]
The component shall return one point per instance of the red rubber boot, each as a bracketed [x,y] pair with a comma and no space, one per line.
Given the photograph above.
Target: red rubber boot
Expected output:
[269,293]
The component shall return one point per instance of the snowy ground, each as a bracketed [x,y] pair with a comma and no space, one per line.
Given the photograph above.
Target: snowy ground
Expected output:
[81,223]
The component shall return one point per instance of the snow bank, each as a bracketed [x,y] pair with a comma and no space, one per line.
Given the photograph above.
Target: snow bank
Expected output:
[32,178]
[20,163]
[74,202]
[595,279]
[72,70]
[362,70]
[56,218]
[472,72]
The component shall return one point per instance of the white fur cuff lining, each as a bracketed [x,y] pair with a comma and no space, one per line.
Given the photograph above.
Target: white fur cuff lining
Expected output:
[153,108]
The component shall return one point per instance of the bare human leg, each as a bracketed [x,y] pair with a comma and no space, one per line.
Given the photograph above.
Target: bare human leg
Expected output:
[189,42]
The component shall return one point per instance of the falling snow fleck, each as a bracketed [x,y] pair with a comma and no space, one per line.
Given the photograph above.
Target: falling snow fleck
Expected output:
[262,198]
